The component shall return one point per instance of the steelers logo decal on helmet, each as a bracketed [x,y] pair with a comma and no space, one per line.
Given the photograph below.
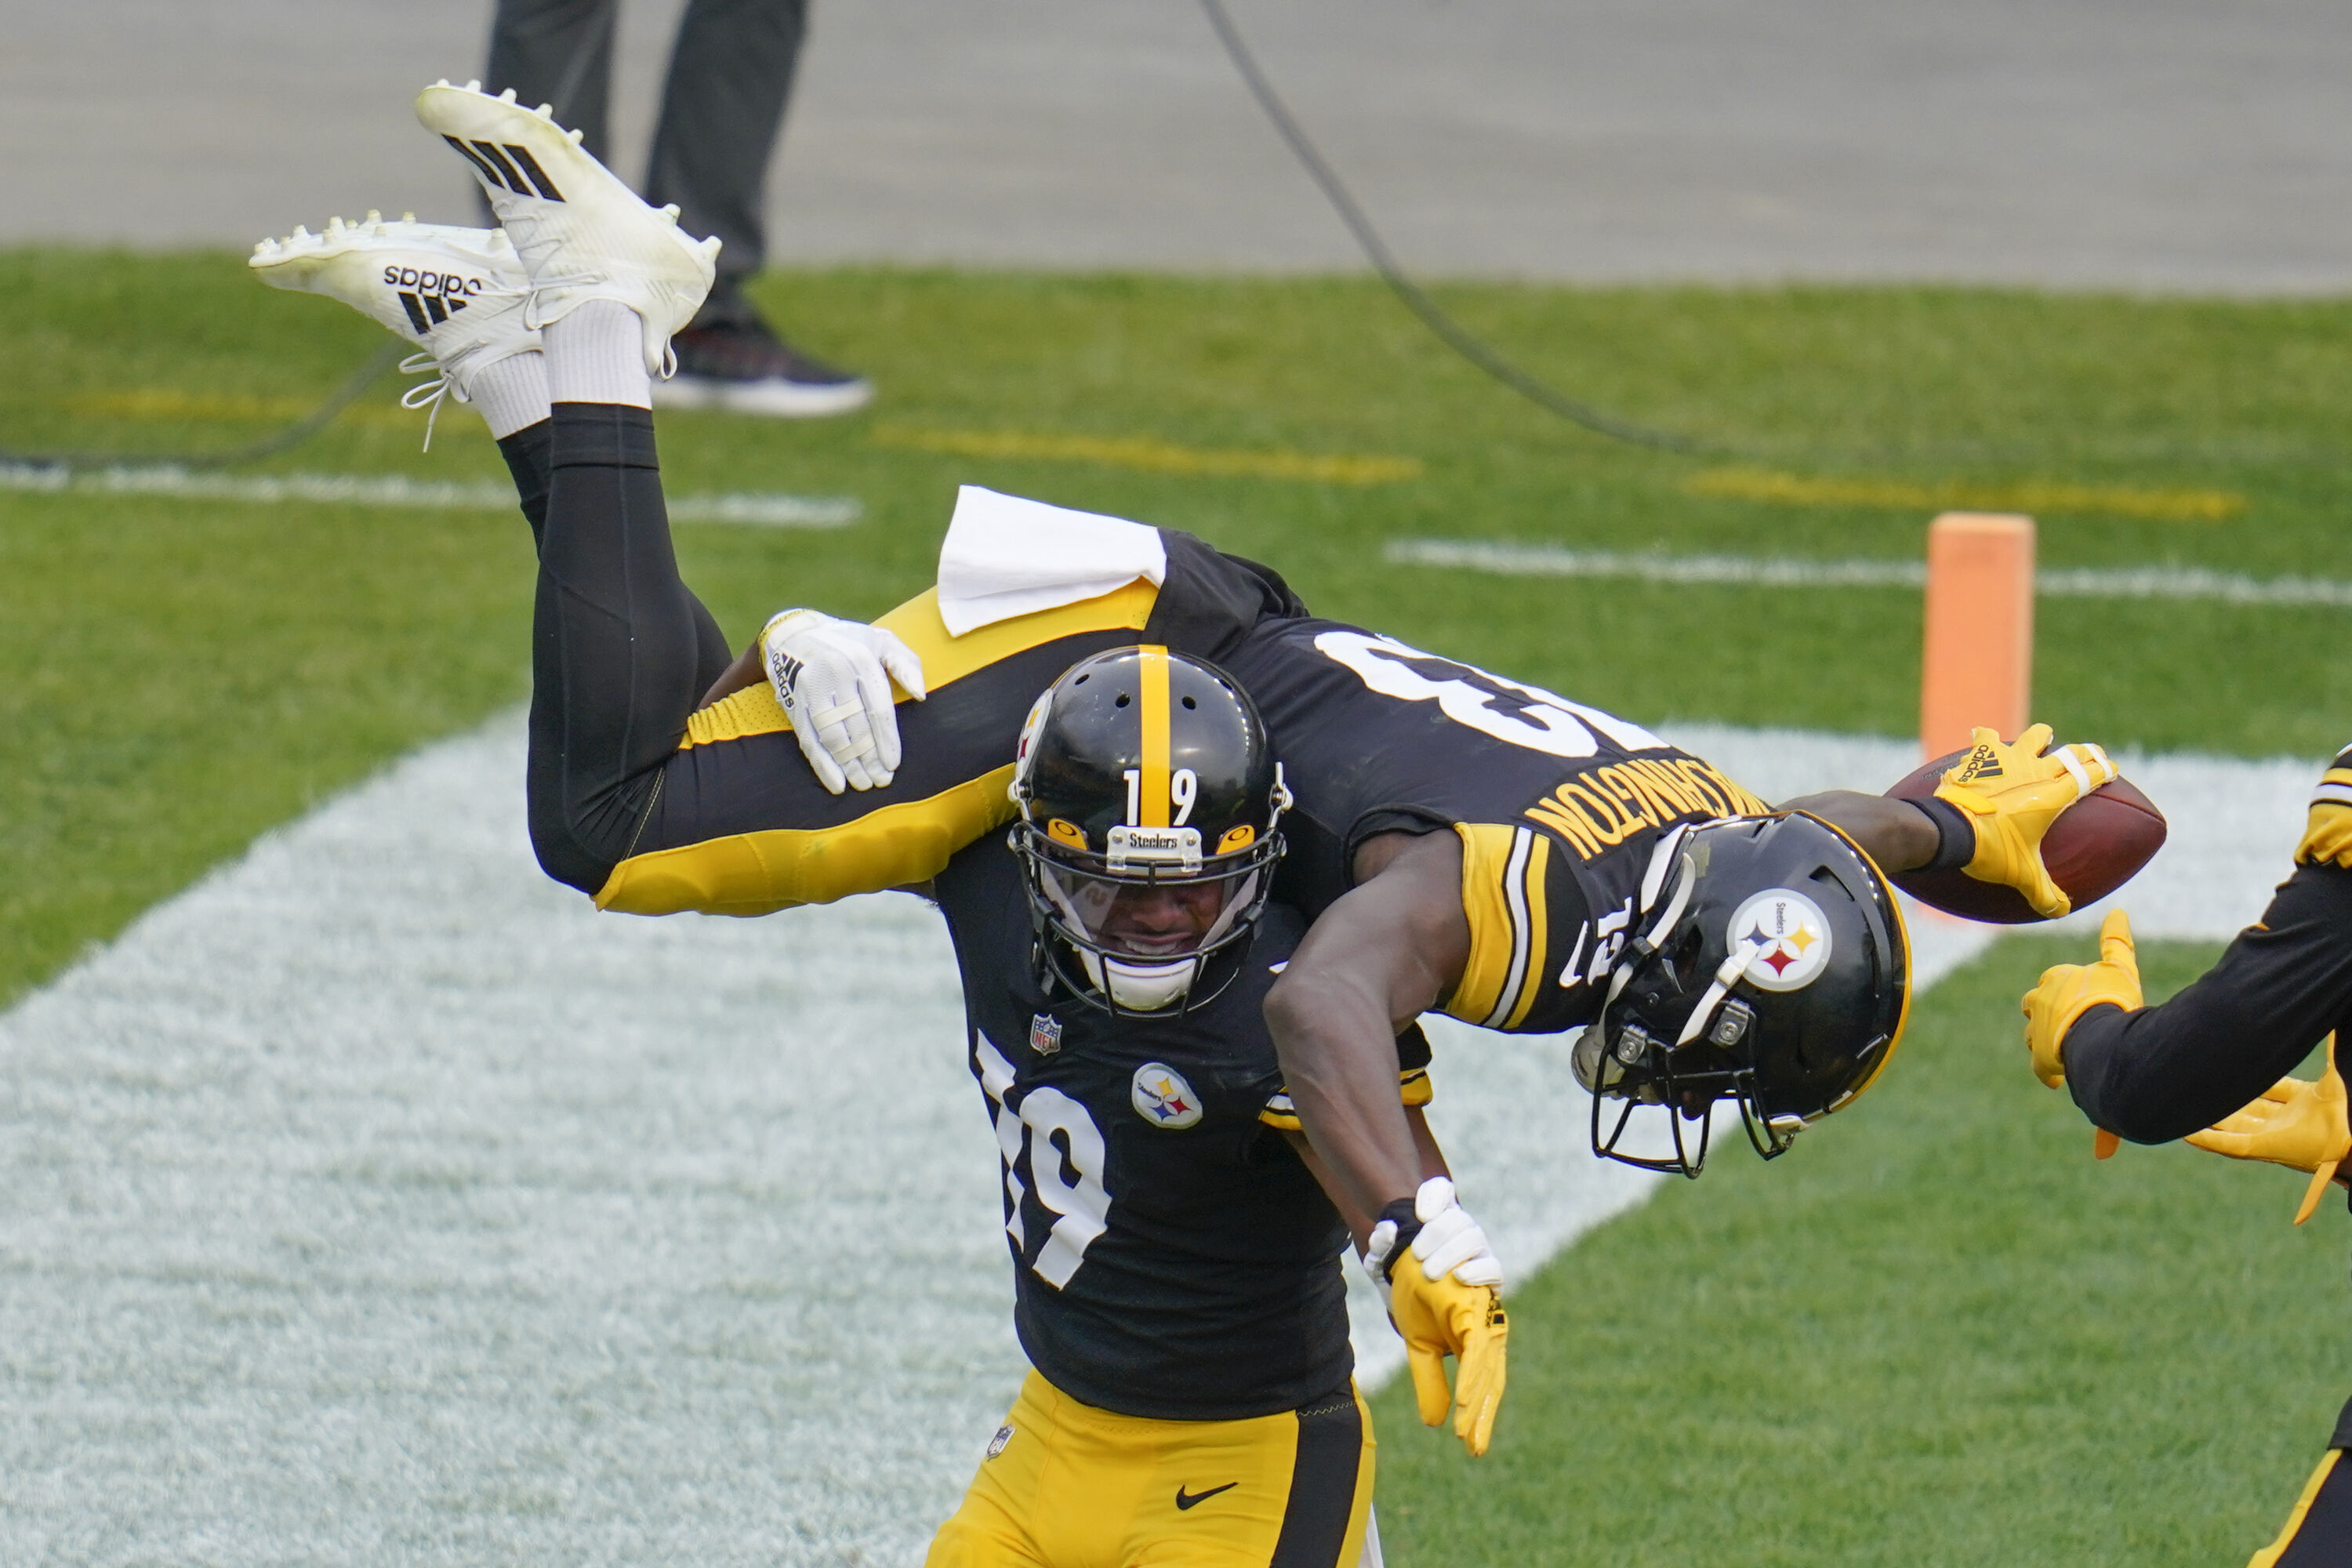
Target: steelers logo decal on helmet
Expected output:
[1786,936]
[1163,1098]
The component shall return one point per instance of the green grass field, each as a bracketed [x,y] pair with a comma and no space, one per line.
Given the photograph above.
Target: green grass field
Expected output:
[1937,1334]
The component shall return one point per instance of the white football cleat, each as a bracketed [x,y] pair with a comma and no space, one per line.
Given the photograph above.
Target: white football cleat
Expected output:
[581,234]
[459,294]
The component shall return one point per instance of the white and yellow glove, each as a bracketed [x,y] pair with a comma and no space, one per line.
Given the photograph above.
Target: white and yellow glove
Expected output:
[832,678]
[2297,1124]
[2011,794]
[1444,1297]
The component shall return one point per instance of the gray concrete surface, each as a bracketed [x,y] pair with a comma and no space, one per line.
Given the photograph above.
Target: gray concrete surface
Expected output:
[2153,143]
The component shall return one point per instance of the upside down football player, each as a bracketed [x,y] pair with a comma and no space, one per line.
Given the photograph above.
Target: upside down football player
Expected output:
[1461,841]
[2209,1065]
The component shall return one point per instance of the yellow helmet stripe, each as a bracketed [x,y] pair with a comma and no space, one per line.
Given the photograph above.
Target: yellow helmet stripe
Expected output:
[1152,792]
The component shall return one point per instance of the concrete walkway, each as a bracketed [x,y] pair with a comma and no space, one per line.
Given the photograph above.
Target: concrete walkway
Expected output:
[2144,143]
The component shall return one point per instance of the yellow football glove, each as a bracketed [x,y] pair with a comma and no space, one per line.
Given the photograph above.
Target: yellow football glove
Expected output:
[1444,1296]
[2067,991]
[2011,794]
[2294,1124]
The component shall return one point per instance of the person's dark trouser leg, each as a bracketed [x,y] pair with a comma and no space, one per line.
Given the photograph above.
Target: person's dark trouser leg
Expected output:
[731,76]
[558,52]
[621,651]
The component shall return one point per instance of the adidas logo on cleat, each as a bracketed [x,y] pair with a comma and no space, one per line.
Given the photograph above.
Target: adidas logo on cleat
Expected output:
[429,298]
[508,166]
[427,311]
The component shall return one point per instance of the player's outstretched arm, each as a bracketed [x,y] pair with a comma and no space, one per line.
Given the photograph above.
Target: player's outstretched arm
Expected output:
[1896,835]
[1378,958]
[2155,1074]
[1987,817]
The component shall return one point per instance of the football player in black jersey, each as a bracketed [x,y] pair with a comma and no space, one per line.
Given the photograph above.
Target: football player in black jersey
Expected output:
[1178,1288]
[2208,1065]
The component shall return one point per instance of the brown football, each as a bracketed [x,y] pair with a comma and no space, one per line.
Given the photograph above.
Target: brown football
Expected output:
[2096,846]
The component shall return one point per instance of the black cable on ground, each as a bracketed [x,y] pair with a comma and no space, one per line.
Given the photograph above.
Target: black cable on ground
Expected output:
[1452,332]
[268,445]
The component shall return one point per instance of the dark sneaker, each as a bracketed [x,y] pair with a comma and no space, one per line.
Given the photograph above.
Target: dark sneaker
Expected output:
[742,365]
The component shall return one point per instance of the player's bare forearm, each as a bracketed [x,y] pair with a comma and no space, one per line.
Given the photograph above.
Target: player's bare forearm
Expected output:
[1375,960]
[1895,834]
[747,670]
[1359,1223]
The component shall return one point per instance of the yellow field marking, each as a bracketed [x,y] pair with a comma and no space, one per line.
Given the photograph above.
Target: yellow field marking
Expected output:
[1152,455]
[163,403]
[2036,497]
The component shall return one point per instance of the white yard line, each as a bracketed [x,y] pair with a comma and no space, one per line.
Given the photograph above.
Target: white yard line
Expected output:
[754,509]
[374,1201]
[1780,571]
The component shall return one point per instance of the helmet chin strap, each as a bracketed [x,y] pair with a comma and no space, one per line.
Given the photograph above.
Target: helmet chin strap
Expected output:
[1142,987]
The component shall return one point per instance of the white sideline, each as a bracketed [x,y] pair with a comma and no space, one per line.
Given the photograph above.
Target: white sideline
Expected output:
[374,1201]
[754,509]
[1780,571]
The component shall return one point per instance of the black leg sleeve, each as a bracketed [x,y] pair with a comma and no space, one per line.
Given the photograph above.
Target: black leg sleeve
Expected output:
[526,452]
[617,644]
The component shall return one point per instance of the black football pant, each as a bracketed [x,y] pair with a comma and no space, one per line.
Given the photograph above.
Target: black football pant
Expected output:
[622,650]
[2318,1533]
[731,76]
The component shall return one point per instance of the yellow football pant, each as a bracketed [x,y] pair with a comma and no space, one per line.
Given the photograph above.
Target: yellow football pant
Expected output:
[1069,1486]
[2318,1533]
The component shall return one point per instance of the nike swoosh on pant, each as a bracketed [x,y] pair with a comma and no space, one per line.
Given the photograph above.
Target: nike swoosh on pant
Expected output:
[1185,1501]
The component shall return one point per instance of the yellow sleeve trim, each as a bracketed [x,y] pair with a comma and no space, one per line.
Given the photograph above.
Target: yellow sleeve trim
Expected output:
[1413,1089]
[753,710]
[759,873]
[947,657]
[2327,833]
[946,660]
[1503,895]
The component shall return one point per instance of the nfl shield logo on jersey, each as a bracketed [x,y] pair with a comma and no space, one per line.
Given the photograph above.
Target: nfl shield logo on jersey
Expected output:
[1163,1098]
[1044,1034]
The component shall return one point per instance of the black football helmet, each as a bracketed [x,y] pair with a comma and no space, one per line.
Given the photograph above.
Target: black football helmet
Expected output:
[1149,802]
[1772,968]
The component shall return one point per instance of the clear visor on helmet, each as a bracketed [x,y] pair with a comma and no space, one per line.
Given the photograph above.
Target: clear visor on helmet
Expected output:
[1149,918]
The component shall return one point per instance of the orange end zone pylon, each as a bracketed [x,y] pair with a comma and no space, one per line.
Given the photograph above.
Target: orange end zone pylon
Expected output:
[1978,662]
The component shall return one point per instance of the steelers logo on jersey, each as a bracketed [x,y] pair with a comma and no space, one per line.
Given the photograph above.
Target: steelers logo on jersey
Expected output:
[1787,938]
[1163,1098]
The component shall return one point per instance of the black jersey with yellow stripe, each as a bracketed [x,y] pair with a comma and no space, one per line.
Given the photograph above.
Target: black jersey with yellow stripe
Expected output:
[1174,1258]
[1558,805]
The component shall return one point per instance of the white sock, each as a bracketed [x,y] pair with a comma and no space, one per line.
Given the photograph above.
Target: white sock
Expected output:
[596,355]
[512,394]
